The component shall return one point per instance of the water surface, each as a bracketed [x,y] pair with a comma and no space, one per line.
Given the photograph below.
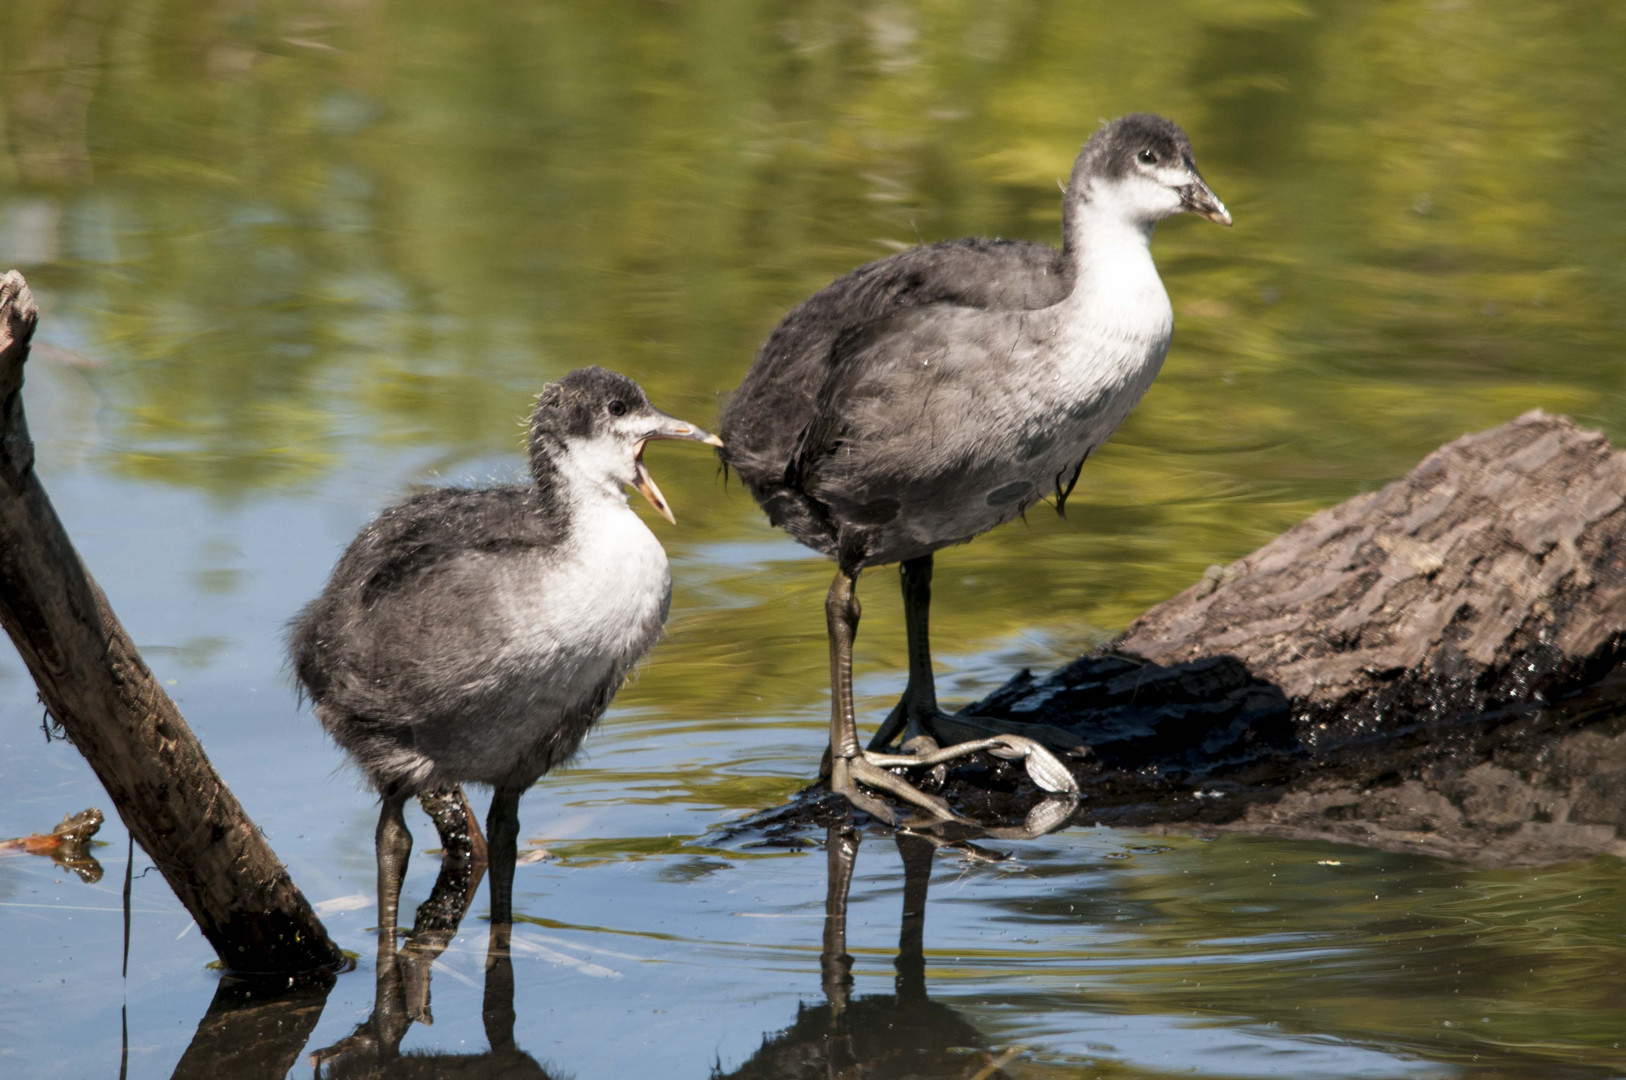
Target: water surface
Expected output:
[296,258]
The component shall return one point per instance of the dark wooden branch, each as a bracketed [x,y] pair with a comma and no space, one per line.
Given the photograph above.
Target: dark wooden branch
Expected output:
[97,687]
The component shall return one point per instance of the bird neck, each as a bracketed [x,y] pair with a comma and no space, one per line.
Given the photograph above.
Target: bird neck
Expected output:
[1109,259]
[560,472]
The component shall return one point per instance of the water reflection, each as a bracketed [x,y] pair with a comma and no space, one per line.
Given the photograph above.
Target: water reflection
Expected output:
[253,1031]
[374,1049]
[901,1034]
[402,976]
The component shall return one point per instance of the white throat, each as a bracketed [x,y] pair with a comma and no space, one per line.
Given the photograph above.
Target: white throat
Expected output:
[1113,330]
[595,473]
[1117,290]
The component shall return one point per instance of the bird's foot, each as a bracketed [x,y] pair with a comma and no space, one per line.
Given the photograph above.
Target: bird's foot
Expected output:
[923,748]
[932,740]
[847,774]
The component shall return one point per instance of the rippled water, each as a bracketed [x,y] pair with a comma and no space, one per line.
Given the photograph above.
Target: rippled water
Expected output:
[294,258]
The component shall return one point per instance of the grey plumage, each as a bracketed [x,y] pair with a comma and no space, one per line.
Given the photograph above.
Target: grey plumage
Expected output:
[928,397]
[404,654]
[788,406]
[476,635]
[903,407]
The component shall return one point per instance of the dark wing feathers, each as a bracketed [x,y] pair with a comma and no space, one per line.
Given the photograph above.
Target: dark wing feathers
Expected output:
[404,543]
[821,434]
[411,538]
[788,409]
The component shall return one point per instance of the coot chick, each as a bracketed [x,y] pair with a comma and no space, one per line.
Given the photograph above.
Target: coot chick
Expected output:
[925,398]
[474,635]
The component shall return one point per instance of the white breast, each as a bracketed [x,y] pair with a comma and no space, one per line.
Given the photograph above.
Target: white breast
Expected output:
[597,604]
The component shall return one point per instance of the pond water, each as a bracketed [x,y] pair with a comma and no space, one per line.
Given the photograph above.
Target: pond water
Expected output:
[294,258]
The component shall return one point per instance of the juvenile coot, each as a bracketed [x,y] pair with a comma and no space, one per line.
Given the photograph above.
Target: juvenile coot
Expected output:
[475,635]
[926,398]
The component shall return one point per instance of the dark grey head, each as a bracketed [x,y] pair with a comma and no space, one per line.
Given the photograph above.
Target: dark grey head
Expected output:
[1141,164]
[592,426]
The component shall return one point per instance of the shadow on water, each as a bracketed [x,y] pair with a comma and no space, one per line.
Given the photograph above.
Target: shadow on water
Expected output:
[1206,744]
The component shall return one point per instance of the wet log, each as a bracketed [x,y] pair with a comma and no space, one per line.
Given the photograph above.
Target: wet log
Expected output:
[96,686]
[1436,665]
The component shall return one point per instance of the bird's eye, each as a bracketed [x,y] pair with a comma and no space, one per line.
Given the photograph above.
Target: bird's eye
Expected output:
[618,408]
[1147,157]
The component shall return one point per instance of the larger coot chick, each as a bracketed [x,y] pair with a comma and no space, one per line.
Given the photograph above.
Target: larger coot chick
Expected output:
[924,399]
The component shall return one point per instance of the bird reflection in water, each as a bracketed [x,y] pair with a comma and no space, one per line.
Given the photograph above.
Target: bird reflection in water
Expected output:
[401,989]
[880,1036]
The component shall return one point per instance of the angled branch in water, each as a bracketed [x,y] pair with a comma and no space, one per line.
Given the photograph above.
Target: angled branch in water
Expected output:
[97,687]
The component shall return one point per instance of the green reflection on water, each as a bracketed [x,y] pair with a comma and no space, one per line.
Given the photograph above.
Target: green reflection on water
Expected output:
[1452,963]
[291,234]
[284,231]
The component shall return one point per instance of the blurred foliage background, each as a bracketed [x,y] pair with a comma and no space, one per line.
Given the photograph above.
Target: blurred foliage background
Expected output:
[285,236]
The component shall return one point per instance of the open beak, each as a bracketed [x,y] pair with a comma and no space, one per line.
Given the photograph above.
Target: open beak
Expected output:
[1200,199]
[665,427]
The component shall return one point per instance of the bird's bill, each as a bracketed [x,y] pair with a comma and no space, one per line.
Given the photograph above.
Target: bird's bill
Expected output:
[666,427]
[670,427]
[1200,199]
[646,487]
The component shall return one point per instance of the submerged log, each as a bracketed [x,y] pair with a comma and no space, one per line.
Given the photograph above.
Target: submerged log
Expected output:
[97,687]
[1437,664]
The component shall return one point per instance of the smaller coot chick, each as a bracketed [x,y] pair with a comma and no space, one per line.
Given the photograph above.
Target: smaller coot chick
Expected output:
[474,635]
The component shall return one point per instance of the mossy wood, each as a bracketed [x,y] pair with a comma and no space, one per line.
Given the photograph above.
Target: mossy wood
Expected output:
[97,687]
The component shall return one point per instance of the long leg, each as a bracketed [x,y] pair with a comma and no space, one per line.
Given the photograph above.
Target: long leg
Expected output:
[919,701]
[841,612]
[437,919]
[462,865]
[502,836]
[847,761]
[393,844]
[925,727]
[460,838]
[379,1036]
[377,1039]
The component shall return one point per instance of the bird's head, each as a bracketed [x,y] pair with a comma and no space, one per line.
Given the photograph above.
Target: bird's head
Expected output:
[593,424]
[1140,166]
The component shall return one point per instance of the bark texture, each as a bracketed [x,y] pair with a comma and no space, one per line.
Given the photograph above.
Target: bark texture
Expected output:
[1429,664]
[98,688]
